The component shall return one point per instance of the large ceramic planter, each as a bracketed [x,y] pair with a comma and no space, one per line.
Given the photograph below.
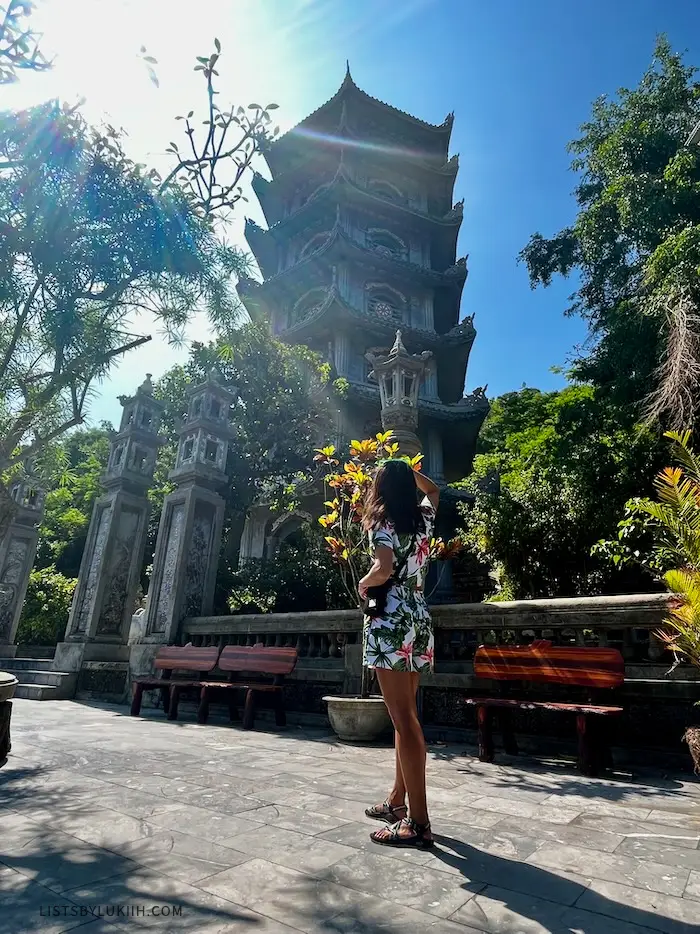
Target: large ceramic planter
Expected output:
[692,738]
[8,683]
[358,719]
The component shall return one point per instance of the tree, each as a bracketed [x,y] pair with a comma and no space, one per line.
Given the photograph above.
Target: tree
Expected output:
[19,44]
[284,405]
[567,465]
[80,459]
[88,239]
[635,244]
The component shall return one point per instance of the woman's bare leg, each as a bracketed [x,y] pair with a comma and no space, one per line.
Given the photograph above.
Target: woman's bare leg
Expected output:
[399,692]
[397,795]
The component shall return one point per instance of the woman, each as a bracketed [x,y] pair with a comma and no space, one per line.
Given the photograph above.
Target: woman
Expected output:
[399,644]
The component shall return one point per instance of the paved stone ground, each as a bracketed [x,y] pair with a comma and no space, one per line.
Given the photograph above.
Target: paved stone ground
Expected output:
[264,833]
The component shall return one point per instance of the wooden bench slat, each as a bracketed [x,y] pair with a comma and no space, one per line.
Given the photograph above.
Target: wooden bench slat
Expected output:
[186,658]
[268,660]
[544,663]
[504,702]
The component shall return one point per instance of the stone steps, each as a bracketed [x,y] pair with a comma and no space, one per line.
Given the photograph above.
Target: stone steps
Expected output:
[17,664]
[38,680]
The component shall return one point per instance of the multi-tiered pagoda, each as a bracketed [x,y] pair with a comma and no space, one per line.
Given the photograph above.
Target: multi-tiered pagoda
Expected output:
[361,240]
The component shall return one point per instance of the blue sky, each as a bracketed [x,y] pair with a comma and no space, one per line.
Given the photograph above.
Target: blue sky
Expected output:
[519,74]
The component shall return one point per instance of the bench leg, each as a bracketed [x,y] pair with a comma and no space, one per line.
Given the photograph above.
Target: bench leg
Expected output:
[280,712]
[136,702]
[174,700]
[588,747]
[485,721]
[510,744]
[249,710]
[232,708]
[203,709]
[165,698]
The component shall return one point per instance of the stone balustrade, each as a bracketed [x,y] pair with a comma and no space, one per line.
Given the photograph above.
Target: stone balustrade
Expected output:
[329,646]
[624,622]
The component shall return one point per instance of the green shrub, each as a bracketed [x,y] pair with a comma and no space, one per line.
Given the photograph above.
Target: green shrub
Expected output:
[299,579]
[46,608]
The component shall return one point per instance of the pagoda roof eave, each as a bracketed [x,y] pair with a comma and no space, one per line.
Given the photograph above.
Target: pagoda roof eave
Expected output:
[454,277]
[346,142]
[349,90]
[450,222]
[262,246]
[334,305]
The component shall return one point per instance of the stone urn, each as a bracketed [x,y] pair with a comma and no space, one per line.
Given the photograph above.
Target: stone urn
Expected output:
[358,719]
[8,683]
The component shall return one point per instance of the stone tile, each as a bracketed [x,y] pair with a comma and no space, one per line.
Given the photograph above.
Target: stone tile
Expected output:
[577,921]
[488,868]
[499,911]
[49,917]
[470,817]
[652,851]
[419,887]
[319,803]
[693,888]
[555,814]
[568,834]
[164,904]
[291,849]
[281,893]
[690,822]
[643,830]
[372,915]
[586,805]
[181,855]
[656,877]
[137,803]
[204,823]
[211,799]
[57,860]
[102,827]
[291,818]
[640,907]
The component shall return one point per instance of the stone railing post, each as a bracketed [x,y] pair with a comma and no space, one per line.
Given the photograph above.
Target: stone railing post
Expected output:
[189,535]
[98,625]
[17,551]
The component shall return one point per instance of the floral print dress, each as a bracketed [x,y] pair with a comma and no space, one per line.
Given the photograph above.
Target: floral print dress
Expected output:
[403,639]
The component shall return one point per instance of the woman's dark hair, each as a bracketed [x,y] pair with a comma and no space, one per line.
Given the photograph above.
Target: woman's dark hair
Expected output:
[393,497]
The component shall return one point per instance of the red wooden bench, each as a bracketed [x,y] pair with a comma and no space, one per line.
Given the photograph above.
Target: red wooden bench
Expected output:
[172,658]
[543,663]
[258,660]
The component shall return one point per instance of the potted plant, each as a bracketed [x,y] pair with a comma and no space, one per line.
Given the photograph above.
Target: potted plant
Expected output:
[346,486]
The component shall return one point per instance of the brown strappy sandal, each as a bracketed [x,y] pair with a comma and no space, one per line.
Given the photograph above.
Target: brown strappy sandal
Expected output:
[386,812]
[392,835]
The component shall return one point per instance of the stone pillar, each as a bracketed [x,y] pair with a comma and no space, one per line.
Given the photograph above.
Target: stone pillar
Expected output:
[399,375]
[17,550]
[98,625]
[189,535]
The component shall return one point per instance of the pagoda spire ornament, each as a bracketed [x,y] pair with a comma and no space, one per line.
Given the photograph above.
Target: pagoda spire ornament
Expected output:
[399,375]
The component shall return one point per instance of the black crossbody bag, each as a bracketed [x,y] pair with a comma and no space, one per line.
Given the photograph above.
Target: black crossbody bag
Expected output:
[374,605]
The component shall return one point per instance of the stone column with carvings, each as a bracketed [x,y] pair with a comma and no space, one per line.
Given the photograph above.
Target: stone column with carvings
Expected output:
[399,375]
[17,550]
[98,625]
[189,535]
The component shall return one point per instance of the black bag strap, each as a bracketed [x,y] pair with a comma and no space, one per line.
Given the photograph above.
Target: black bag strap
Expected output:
[398,571]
